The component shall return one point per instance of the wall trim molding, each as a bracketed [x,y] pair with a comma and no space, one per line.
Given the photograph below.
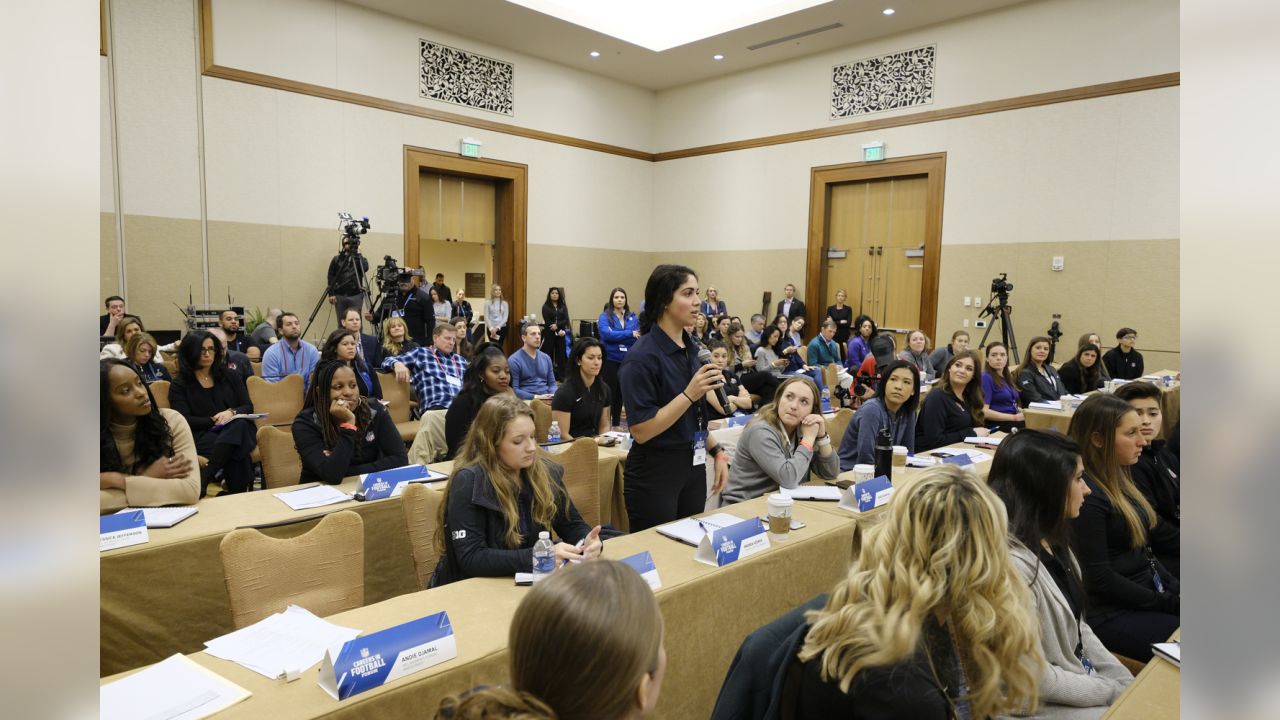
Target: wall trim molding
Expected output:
[211,69]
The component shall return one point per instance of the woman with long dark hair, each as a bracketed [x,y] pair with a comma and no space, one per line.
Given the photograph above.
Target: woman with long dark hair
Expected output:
[486,376]
[339,433]
[581,403]
[209,397]
[665,386]
[1134,598]
[757,379]
[341,345]
[555,323]
[953,410]
[999,392]
[619,329]
[893,408]
[441,305]
[1040,477]
[1038,381]
[864,328]
[146,456]
[1082,373]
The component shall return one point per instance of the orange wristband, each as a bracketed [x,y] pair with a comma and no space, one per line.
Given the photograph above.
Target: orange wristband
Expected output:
[349,426]
[806,444]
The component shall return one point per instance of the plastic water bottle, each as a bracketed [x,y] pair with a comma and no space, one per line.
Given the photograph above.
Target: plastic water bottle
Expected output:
[544,556]
[553,434]
[622,420]
[826,399]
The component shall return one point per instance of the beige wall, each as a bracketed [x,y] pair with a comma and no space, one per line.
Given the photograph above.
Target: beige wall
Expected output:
[455,260]
[587,275]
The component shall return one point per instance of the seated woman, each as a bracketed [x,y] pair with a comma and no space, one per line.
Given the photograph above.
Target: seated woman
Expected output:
[141,352]
[341,345]
[146,456]
[339,433]
[500,496]
[785,441]
[917,353]
[1156,472]
[893,407]
[486,376]
[734,392]
[1040,478]
[464,346]
[581,403]
[1134,599]
[1082,373]
[1092,338]
[208,396]
[757,379]
[928,632]
[859,347]
[769,354]
[959,343]
[395,337]
[598,615]
[953,410]
[1037,380]
[128,326]
[999,393]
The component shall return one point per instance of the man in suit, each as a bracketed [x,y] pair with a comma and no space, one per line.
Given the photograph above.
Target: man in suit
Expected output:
[368,349]
[415,308]
[446,295]
[790,305]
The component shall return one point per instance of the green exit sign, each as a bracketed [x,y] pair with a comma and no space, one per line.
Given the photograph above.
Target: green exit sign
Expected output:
[470,148]
[871,152]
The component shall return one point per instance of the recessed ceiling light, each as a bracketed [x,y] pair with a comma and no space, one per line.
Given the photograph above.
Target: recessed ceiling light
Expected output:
[888,11]
[595,53]
[717,56]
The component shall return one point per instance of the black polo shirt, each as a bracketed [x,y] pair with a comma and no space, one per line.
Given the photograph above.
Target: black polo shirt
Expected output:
[653,373]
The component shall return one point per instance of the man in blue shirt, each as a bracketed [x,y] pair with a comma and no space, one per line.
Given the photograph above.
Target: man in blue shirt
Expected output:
[292,355]
[532,373]
[436,371]
[822,348]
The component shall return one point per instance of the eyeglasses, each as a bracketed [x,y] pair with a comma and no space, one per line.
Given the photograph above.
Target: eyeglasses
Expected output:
[208,350]
[1129,337]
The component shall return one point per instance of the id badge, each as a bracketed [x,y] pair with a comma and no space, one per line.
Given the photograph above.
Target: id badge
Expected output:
[700,448]
[397,313]
[1088,664]
[454,382]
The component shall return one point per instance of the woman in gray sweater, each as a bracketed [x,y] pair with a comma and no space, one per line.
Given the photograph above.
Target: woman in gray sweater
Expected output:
[1040,477]
[781,445]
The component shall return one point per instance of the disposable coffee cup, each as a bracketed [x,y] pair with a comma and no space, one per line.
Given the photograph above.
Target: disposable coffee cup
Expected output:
[779,516]
[899,456]
[863,472]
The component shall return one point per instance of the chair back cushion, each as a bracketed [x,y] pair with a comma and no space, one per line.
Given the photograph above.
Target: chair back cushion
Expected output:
[282,401]
[542,420]
[581,463]
[160,391]
[837,425]
[396,393]
[421,506]
[281,464]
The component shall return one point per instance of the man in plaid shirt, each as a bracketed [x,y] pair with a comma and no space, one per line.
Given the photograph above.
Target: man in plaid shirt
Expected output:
[437,371]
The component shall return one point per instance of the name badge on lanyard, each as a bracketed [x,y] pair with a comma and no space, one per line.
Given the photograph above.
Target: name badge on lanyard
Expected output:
[453,381]
[700,448]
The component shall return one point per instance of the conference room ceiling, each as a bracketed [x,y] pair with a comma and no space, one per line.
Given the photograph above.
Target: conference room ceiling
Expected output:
[507,25]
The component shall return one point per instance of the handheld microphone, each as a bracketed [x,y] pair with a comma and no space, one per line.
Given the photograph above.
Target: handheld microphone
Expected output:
[704,357]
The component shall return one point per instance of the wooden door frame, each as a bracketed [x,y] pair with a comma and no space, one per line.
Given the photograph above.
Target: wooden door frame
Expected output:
[511,258]
[934,167]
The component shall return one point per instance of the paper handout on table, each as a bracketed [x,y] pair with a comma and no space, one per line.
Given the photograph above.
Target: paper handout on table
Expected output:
[983,440]
[164,517]
[1047,404]
[173,689]
[288,641]
[313,497]
[919,461]
[1171,651]
[690,531]
[812,492]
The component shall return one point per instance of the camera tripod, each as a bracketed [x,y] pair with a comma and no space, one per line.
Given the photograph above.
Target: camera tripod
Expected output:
[999,309]
[353,258]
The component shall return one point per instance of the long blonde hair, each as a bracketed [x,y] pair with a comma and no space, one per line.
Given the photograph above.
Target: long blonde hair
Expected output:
[599,615]
[1100,415]
[392,347]
[480,449]
[943,547]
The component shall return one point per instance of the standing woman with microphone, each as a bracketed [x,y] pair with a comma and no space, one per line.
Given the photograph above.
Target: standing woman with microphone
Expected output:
[664,384]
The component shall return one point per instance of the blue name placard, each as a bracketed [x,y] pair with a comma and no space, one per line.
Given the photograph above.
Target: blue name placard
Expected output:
[737,420]
[725,545]
[388,655]
[378,485]
[642,562]
[122,530]
[961,459]
[867,495]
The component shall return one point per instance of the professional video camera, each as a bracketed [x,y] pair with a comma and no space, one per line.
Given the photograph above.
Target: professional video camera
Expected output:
[389,274]
[1001,285]
[352,228]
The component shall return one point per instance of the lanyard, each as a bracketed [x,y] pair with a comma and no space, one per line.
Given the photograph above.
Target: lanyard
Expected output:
[454,361]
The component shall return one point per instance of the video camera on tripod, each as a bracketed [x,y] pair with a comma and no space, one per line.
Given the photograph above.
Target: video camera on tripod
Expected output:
[999,309]
[352,229]
[388,277]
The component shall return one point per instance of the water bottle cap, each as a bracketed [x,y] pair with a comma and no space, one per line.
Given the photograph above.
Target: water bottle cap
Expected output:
[544,535]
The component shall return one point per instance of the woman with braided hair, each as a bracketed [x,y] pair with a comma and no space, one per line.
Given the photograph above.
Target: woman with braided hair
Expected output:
[339,433]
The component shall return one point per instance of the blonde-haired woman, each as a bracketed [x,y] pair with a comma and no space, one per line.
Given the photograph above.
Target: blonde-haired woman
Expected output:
[1123,546]
[933,620]
[501,496]
[141,351]
[600,616]
[395,337]
[785,442]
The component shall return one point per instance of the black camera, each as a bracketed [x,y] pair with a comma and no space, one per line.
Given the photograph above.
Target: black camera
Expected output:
[389,274]
[1001,285]
[352,228]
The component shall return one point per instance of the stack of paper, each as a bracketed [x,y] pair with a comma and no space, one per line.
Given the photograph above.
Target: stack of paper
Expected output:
[812,492]
[1171,651]
[1047,404]
[287,642]
[690,531]
[983,440]
[313,497]
[919,461]
[165,517]
[172,689]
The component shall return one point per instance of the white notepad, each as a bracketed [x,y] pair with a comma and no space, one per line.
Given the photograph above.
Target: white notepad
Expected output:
[164,517]
[690,531]
[312,497]
[811,492]
[1047,404]
[173,689]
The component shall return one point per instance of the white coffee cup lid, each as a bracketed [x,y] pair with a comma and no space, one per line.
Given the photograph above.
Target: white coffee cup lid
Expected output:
[780,500]
[899,449]
[864,468]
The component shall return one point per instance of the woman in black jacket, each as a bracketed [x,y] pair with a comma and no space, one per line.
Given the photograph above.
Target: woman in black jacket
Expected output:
[208,397]
[341,346]
[1133,596]
[953,411]
[1082,373]
[488,375]
[501,496]
[1037,380]
[1122,361]
[339,433]
[1156,472]
[555,323]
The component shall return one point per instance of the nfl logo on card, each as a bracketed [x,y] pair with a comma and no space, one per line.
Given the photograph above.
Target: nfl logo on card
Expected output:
[727,546]
[364,652]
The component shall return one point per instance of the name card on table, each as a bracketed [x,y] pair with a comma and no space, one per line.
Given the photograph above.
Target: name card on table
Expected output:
[122,530]
[867,495]
[737,420]
[643,564]
[725,545]
[961,459]
[390,483]
[387,655]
